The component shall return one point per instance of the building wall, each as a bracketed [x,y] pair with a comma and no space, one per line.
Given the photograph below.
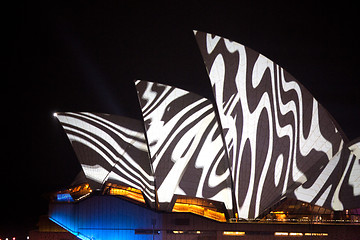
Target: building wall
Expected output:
[104,217]
[109,217]
[209,229]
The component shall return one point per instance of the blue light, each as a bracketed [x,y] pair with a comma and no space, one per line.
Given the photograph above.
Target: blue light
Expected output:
[79,235]
[64,197]
[106,218]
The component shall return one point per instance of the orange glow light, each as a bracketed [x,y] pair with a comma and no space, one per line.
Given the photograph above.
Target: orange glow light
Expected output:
[199,210]
[129,192]
[229,233]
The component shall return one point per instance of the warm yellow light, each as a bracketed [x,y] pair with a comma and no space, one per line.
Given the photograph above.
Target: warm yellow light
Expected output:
[281,234]
[229,233]
[78,192]
[277,212]
[178,232]
[181,207]
[280,215]
[295,234]
[129,192]
[316,234]
[199,210]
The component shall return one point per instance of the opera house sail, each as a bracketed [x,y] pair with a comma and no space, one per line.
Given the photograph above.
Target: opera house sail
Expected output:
[278,137]
[264,150]
[186,148]
[110,149]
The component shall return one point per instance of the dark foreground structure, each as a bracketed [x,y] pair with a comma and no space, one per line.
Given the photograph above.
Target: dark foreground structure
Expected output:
[265,161]
[108,217]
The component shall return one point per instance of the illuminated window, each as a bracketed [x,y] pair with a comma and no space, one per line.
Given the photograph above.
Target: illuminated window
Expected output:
[317,234]
[73,194]
[279,215]
[64,197]
[128,192]
[200,207]
[281,234]
[229,233]
[293,234]
[192,232]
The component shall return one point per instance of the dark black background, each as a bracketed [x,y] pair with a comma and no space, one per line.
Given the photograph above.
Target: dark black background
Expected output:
[85,55]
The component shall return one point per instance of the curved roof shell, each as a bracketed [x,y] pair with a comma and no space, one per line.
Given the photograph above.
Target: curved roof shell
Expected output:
[265,138]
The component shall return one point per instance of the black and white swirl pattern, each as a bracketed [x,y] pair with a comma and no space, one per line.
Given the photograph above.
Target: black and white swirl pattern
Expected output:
[275,131]
[186,147]
[276,140]
[110,149]
[337,185]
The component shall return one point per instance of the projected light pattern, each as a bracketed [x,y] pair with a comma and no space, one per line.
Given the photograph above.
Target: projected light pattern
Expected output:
[337,185]
[110,148]
[267,139]
[274,130]
[185,144]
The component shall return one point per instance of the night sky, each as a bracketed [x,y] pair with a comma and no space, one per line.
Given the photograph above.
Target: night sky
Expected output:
[85,56]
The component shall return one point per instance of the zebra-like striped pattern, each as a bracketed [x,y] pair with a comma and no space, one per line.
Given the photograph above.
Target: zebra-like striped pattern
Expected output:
[186,147]
[110,148]
[276,140]
[337,185]
[274,130]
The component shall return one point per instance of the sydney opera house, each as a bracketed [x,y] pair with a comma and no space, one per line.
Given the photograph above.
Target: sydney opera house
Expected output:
[264,161]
